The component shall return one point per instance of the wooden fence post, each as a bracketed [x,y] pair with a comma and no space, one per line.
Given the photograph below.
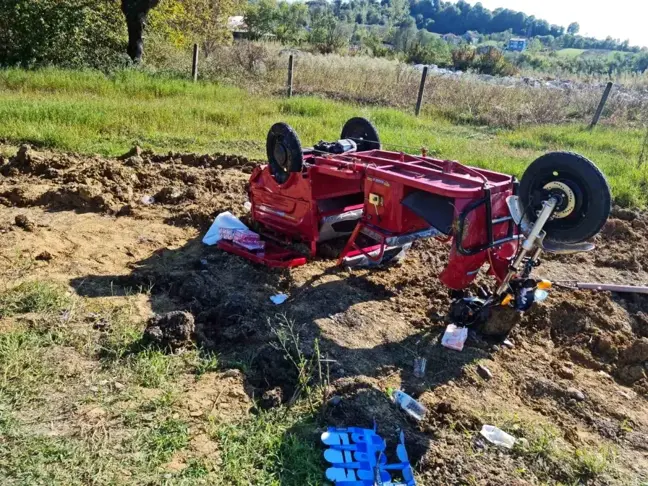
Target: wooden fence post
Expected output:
[194,67]
[419,100]
[601,105]
[290,75]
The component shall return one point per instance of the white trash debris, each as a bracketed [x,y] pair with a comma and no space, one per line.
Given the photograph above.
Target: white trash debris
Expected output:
[248,206]
[148,200]
[279,299]
[419,367]
[497,436]
[455,337]
[413,408]
[226,226]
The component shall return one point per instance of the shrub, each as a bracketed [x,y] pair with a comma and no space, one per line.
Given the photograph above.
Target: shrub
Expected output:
[435,52]
[493,62]
[463,57]
[69,33]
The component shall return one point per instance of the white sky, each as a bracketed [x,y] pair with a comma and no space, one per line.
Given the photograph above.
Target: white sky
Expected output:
[620,19]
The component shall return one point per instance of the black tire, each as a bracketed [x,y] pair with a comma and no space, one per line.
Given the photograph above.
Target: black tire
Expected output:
[284,151]
[589,191]
[363,133]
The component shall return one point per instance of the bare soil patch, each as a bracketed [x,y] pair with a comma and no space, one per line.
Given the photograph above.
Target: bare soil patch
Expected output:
[110,228]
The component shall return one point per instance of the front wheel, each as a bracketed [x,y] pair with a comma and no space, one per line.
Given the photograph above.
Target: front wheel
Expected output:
[581,188]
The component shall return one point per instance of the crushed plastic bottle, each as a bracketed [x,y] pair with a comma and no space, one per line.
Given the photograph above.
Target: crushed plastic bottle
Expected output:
[419,367]
[413,408]
[497,436]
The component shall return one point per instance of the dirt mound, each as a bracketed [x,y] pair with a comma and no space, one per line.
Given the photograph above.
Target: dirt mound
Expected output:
[191,188]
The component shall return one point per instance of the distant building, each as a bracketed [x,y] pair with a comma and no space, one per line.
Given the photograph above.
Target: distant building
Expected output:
[517,45]
[238,28]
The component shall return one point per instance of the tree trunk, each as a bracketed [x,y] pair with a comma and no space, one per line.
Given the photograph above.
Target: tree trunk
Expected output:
[135,41]
[135,12]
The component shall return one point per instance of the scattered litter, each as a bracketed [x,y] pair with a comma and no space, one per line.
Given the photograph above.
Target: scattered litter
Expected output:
[419,367]
[279,299]
[357,458]
[148,200]
[413,408]
[508,343]
[226,226]
[248,206]
[497,436]
[484,372]
[455,337]
[335,400]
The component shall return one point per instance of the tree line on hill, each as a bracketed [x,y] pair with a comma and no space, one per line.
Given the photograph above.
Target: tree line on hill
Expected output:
[99,33]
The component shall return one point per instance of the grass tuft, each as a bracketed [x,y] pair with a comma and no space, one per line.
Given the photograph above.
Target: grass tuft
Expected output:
[33,297]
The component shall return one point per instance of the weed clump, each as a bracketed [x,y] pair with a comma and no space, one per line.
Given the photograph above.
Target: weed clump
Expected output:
[33,297]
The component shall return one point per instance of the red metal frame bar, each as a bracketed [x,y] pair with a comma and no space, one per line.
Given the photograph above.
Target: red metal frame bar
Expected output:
[274,256]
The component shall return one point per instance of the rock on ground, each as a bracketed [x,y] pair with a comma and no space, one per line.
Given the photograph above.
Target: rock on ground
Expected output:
[173,330]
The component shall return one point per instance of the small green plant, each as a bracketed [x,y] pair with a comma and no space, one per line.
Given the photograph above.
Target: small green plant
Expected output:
[205,362]
[589,464]
[310,374]
[273,447]
[166,438]
[152,368]
[33,297]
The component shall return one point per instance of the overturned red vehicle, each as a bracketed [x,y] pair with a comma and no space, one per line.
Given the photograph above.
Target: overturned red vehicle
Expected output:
[381,201]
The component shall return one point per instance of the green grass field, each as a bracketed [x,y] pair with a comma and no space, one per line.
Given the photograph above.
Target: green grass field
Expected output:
[572,53]
[87,112]
[603,53]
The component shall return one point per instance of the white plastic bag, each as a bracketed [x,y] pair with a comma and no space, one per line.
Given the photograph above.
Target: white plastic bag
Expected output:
[497,436]
[455,337]
[224,220]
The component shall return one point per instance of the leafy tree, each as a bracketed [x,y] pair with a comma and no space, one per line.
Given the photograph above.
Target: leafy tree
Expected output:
[641,61]
[328,35]
[405,34]
[573,28]
[292,18]
[261,18]
[194,21]
[70,33]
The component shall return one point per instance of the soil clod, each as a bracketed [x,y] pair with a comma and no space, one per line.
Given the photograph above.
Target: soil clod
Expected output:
[172,331]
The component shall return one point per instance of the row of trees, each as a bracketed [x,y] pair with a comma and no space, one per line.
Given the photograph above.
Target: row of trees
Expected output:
[99,33]
[387,28]
[102,33]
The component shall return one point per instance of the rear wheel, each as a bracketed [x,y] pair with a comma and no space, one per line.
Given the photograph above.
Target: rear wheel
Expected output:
[284,151]
[363,133]
[582,190]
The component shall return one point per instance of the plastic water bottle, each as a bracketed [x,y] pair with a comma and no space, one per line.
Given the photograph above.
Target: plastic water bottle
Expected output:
[497,436]
[413,408]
